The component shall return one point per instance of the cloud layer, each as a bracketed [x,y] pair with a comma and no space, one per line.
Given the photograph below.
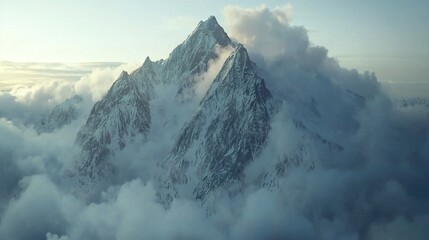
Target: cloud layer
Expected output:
[28,73]
[375,188]
[24,102]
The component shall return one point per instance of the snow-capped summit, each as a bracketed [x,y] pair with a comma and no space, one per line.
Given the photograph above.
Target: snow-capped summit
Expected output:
[125,110]
[212,28]
[192,56]
[217,137]
[123,113]
[226,133]
[146,77]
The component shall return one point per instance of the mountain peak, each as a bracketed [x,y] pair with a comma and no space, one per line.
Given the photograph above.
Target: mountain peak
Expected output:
[211,27]
[123,113]
[147,66]
[193,55]
[212,18]
[147,60]
[210,23]
[240,51]
[227,132]
[240,47]
[238,60]
[124,74]
[61,115]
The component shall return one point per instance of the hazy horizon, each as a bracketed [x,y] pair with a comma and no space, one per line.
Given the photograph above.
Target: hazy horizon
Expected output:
[388,38]
[276,121]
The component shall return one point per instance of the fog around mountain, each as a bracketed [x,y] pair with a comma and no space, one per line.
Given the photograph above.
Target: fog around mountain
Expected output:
[251,133]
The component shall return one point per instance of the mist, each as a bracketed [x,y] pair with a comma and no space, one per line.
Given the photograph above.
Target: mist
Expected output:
[366,178]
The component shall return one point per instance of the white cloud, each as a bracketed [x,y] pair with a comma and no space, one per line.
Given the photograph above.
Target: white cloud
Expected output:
[48,93]
[40,208]
[25,104]
[205,79]
[374,188]
[96,84]
[264,30]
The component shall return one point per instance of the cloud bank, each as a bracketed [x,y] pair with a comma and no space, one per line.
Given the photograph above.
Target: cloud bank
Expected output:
[24,102]
[376,188]
[29,73]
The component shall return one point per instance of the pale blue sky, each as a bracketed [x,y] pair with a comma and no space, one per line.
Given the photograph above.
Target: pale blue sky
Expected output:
[390,37]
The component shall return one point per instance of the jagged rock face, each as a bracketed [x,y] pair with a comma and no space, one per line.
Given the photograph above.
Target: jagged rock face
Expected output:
[124,112]
[62,114]
[227,132]
[146,77]
[191,57]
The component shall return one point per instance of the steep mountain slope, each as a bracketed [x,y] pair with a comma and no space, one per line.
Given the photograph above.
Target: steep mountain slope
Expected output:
[62,114]
[225,134]
[146,77]
[192,56]
[123,112]
[211,145]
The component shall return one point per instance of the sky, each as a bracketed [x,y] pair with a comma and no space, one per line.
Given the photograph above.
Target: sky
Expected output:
[387,37]
[341,161]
